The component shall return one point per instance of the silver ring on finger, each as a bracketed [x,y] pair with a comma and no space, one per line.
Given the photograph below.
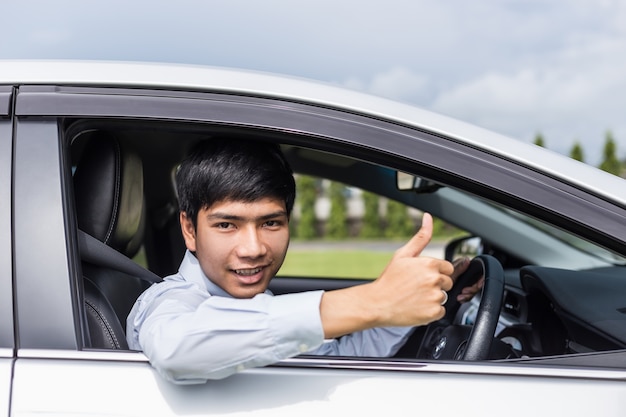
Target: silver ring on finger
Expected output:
[445,297]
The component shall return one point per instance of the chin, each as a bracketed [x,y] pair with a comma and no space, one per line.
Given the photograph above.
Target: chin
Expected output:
[248,292]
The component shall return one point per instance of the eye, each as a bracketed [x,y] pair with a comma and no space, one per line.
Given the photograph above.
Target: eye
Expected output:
[224,225]
[273,223]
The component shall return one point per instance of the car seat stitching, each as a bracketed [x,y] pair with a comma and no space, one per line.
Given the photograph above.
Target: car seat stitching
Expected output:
[105,325]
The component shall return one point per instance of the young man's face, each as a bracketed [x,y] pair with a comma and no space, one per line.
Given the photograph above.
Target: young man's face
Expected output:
[240,246]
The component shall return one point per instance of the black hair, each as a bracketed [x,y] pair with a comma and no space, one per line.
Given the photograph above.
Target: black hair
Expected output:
[227,169]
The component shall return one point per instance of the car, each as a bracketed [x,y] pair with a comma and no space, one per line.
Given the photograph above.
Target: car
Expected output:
[87,156]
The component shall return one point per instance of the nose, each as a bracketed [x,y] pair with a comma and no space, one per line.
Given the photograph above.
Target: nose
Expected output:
[250,243]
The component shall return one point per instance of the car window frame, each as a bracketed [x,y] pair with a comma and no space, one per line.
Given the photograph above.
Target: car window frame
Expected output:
[414,151]
[421,153]
[46,290]
[7,340]
[7,337]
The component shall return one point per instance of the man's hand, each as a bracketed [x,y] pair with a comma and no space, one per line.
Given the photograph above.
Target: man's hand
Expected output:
[409,292]
[468,292]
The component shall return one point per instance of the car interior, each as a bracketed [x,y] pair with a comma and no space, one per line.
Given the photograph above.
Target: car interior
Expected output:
[109,203]
[562,298]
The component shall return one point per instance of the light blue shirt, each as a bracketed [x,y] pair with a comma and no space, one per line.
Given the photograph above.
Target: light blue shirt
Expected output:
[191,330]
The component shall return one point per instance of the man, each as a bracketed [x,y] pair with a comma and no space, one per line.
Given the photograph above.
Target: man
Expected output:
[216,317]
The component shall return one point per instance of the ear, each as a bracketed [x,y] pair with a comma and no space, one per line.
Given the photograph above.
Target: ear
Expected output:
[189,231]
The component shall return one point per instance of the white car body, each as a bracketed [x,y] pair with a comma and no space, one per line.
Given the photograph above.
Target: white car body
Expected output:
[58,380]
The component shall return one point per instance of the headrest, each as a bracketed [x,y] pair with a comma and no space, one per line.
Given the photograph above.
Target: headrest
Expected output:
[108,188]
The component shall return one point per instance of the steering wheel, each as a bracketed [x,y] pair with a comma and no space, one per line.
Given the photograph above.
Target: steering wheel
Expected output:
[445,340]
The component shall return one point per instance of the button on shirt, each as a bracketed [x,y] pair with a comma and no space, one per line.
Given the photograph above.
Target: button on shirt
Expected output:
[191,330]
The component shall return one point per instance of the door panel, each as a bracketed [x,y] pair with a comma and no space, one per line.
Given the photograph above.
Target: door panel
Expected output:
[6,364]
[132,388]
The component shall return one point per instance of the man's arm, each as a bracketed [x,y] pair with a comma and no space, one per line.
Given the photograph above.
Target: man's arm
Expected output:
[190,336]
[408,292]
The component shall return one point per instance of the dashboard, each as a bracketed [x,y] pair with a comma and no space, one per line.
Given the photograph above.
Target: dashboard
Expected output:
[551,311]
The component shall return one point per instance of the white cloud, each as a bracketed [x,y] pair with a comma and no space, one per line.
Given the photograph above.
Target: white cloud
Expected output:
[578,94]
[516,67]
[397,83]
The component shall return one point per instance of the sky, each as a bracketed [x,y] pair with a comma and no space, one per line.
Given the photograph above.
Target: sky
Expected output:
[517,67]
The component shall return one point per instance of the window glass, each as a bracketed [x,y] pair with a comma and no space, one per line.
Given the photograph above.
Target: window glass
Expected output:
[341,231]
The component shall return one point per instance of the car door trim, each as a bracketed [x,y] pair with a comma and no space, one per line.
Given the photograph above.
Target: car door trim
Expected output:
[470,368]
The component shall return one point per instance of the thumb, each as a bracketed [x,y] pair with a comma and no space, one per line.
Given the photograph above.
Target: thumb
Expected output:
[418,242]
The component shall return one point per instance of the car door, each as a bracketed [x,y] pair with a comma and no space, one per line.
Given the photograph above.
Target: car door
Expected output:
[6,273]
[55,374]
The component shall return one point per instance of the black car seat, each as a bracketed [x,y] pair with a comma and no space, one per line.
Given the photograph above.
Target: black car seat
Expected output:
[108,189]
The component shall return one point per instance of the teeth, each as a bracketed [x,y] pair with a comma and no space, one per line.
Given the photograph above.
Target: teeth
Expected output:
[247,271]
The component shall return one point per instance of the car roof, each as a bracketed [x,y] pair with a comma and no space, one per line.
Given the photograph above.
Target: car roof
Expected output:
[237,81]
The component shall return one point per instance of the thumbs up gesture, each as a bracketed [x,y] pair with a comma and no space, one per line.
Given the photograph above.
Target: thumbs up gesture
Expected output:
[411,288]
[409,292]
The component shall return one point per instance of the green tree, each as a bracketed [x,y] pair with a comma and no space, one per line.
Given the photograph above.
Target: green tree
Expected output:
[306,196]
[371,217]
[337,226]
[610,163]
[399,223]
[577,152]
[539,141]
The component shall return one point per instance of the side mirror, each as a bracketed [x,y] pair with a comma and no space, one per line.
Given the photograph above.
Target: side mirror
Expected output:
[466,246]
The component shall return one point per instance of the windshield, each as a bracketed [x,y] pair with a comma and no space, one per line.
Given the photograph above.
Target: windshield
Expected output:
[574,241]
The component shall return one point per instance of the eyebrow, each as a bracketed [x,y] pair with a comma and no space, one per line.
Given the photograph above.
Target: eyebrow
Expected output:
[226,216]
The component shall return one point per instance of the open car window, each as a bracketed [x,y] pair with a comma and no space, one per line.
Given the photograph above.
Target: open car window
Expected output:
[350,216]
[341,231]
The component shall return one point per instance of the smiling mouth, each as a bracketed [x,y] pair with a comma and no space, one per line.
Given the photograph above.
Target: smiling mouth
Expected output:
[248,272]
[249,276]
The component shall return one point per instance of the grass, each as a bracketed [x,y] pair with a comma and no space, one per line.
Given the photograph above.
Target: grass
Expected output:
[335,263]
[335,259]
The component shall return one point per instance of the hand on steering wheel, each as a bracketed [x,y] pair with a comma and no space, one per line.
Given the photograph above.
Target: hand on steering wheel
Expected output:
[444,340]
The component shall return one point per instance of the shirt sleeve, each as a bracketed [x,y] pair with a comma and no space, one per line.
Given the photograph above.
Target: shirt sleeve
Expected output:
[190,336]
[378,342]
